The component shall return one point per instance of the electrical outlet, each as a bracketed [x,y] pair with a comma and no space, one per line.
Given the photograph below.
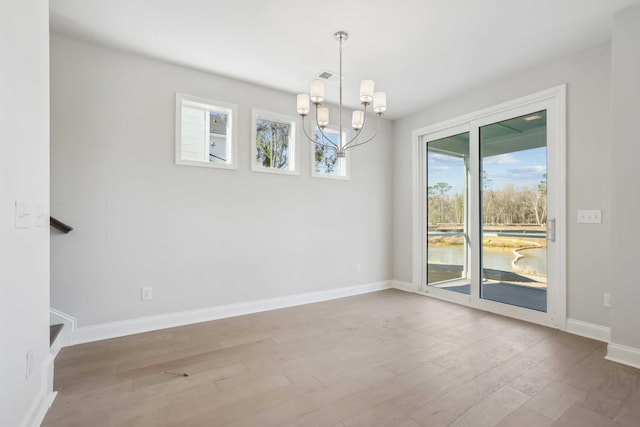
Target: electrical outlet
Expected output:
[607,299]
[29,367]
[356,269]
[146,294]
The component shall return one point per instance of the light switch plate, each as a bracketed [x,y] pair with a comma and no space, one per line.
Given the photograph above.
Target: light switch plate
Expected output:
[23,215]
[589,216]
[607,300]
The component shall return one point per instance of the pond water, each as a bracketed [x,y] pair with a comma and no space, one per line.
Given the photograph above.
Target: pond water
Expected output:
[493,258]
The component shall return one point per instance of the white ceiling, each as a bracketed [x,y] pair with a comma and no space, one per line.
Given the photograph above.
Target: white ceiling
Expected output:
[418,51]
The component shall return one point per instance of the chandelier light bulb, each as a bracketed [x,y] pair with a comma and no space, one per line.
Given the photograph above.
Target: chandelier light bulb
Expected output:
[303,104]
[357,120]
[379,102]
[323,116]
[366,91]
[317,91]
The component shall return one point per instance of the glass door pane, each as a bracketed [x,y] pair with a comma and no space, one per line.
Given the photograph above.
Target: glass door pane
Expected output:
[513,195]
[447,213]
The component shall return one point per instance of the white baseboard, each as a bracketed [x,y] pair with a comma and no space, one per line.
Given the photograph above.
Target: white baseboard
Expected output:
[403,286]
[44,399]
[589,330]
[47,372]
[622,354]
[51,398]
[103,331]
[36,412]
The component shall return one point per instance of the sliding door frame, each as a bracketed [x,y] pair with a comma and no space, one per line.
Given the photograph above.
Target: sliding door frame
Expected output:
[552,100]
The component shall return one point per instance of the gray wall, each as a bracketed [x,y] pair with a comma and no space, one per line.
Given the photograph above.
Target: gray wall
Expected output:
[24,177]
[200,237]
[588,169]
[625,318]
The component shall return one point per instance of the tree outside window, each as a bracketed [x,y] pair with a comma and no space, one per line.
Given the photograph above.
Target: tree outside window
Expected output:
[273,143]
[324,161]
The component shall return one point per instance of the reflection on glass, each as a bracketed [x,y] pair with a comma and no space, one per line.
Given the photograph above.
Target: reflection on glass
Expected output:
[447,213]
[218,137]
[514,211]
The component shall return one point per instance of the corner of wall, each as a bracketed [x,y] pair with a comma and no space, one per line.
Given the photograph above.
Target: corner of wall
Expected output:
[403,286]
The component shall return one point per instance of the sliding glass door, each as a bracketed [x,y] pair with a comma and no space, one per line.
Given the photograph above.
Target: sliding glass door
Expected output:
[448,166]
[513,208]
[490,204]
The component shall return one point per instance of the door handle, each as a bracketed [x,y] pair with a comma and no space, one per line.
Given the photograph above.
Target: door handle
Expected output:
[551,230]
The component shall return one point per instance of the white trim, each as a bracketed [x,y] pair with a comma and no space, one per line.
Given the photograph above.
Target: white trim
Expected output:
[560,99]
[404,286]
[515,312]
[58,343]
[51,398]
[37,411]
[589,330]
[622,354]
[103,331]
[47,370]
[70,325]
[418,182]
[66,318]
[455,297]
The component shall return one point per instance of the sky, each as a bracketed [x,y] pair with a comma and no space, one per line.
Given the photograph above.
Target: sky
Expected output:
[522,169]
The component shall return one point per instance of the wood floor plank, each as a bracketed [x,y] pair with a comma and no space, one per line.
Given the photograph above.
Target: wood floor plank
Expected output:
[387,358]
[493,409]
[630,412]
[524,417]
[578,416]
[555,399]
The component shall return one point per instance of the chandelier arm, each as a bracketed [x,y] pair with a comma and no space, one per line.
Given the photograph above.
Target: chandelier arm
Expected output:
[304,128]
[328,142]
[323,144]
[352,140]
[364,122]
[374,135]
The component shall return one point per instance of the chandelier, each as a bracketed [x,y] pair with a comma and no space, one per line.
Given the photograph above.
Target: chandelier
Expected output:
[316,96]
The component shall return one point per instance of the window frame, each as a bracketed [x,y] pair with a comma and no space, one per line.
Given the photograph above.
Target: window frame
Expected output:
[209,105]
[312,157]
[293,152]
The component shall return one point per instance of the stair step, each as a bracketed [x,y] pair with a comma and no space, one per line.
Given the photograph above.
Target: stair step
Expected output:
[54,331]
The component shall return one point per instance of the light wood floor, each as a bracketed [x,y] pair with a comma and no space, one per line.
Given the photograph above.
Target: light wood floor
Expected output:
[383,359]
